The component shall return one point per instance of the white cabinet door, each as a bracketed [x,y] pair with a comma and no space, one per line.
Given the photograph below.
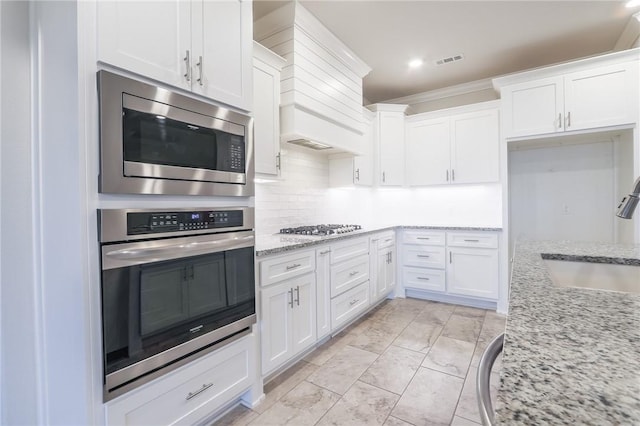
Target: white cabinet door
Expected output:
[363,164]
[601,97]
[222,32]
[390,276]
[473,272]
[428,153]
[391,139]
[150,39]
[533,108]
[380,283]
[266,109]
[276,304]
[323,293]
[475,143]
[303,320]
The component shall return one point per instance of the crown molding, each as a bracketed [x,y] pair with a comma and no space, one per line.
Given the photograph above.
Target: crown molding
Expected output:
[629,35]
[445,92]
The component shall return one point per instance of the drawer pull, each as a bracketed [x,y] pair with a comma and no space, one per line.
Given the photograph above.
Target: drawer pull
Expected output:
[472,241]
[199,391]
[424,255]
[325,252]
[353,302]
[423,278]
[294,266]
[388,239]
[290,297]
[353,273]
[424,238]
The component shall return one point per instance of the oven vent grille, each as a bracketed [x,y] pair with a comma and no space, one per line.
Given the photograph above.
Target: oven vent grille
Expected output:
[450,59]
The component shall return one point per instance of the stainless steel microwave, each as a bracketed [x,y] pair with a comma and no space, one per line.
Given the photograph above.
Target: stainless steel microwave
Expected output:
[156,141]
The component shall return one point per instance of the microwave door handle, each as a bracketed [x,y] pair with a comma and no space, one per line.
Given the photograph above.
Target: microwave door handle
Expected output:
[175,251]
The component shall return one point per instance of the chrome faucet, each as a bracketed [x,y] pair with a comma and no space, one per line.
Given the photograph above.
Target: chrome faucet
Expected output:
[630,202]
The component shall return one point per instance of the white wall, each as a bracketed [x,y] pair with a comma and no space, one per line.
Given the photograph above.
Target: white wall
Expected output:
[563,192]
[303,197]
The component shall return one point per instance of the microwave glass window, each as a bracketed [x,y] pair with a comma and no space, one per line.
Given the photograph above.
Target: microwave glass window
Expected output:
[155,139]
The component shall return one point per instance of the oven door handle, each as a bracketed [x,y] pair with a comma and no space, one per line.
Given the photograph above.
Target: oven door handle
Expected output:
[135,256]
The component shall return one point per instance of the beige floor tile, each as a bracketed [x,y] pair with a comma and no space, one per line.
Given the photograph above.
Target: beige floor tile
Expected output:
[468,311]
[463,328]
[328,349]
[394,369]
[343,369]
[362,404]
[394,421]
[377,338]
[303,405]
[418,337]
[281,385]
[450,356]
[459,421]
[468,403]
[238,416]
[435,315]
[429,399]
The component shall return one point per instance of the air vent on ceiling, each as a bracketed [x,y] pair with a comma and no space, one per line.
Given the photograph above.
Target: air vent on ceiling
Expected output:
[309,144]
[450,59]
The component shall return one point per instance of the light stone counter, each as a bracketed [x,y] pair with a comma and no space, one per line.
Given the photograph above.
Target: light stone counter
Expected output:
[279,243]
[571,355]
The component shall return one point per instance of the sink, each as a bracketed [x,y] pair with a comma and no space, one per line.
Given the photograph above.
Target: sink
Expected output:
[599,276]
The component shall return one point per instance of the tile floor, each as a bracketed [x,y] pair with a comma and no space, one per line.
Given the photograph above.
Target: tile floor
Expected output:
[407,362]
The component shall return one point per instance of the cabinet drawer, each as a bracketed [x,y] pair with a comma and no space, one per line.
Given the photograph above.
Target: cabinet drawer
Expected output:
[349,304]
[386,239]
[424,279]
[189,394]
[433,238]
[348,249]
[348,274]
[480,240]
[423,256]
[284,267]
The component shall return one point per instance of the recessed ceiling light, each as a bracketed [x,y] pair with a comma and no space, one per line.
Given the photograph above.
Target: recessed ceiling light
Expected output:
[415,63]
[633,3]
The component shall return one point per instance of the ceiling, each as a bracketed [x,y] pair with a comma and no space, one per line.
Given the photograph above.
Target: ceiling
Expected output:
[495,37]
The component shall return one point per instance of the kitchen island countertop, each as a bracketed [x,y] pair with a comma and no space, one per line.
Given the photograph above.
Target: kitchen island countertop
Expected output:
[571,355]
[267,244]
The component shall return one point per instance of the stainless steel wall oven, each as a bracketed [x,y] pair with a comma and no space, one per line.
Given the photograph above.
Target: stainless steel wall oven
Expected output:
[176,284]
[156,141]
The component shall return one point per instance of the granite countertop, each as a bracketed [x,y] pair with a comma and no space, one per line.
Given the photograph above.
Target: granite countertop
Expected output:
[278,243]
[571,355]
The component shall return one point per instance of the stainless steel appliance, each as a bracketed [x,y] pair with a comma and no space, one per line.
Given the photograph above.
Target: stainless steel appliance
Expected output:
[321,230]
[176,284]
[155,141]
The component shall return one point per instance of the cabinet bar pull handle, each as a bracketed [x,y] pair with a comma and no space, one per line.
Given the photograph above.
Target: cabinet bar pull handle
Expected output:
[423,278]
[569,119]
[424,238]
[278,161]
[353,273]
[424,256]
[353,302]
[290,297]
[384,177]
[358,175]
[447,175]
[453,175]
[388,239]
[450,258]
[294,266]
[199,65]
[472,241]
[325,252]
[187,61]
[298,295]
[199,391]
[559,120]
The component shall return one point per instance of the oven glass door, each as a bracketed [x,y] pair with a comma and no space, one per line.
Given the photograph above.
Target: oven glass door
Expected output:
[166,142]
[156,303]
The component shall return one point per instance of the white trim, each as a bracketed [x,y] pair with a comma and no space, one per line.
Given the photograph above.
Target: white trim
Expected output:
[445,92]
[479,106]
[629,35]
[267,56]
[387,107]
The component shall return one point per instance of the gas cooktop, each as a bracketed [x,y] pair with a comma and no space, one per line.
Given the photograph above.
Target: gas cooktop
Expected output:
[321,230]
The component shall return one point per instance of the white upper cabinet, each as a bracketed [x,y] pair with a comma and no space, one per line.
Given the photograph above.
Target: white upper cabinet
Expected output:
[389,133]
[454,147]
[348,170]
[202,46]
[266,109]
[585,94]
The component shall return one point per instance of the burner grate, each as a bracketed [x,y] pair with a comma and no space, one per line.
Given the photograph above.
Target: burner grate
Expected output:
[321,230]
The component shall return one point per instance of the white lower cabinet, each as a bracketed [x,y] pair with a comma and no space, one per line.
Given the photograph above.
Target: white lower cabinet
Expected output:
[323,292]
[349,305]
[288,320]
[383,265]
[191,393]
[452,264]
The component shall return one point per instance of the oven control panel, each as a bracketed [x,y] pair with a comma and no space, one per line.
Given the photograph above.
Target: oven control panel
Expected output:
[180,221]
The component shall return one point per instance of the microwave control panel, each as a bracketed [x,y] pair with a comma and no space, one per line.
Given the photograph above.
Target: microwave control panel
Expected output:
[197,220]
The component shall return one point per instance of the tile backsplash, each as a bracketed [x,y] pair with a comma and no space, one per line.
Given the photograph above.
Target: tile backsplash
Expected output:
[301,196]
